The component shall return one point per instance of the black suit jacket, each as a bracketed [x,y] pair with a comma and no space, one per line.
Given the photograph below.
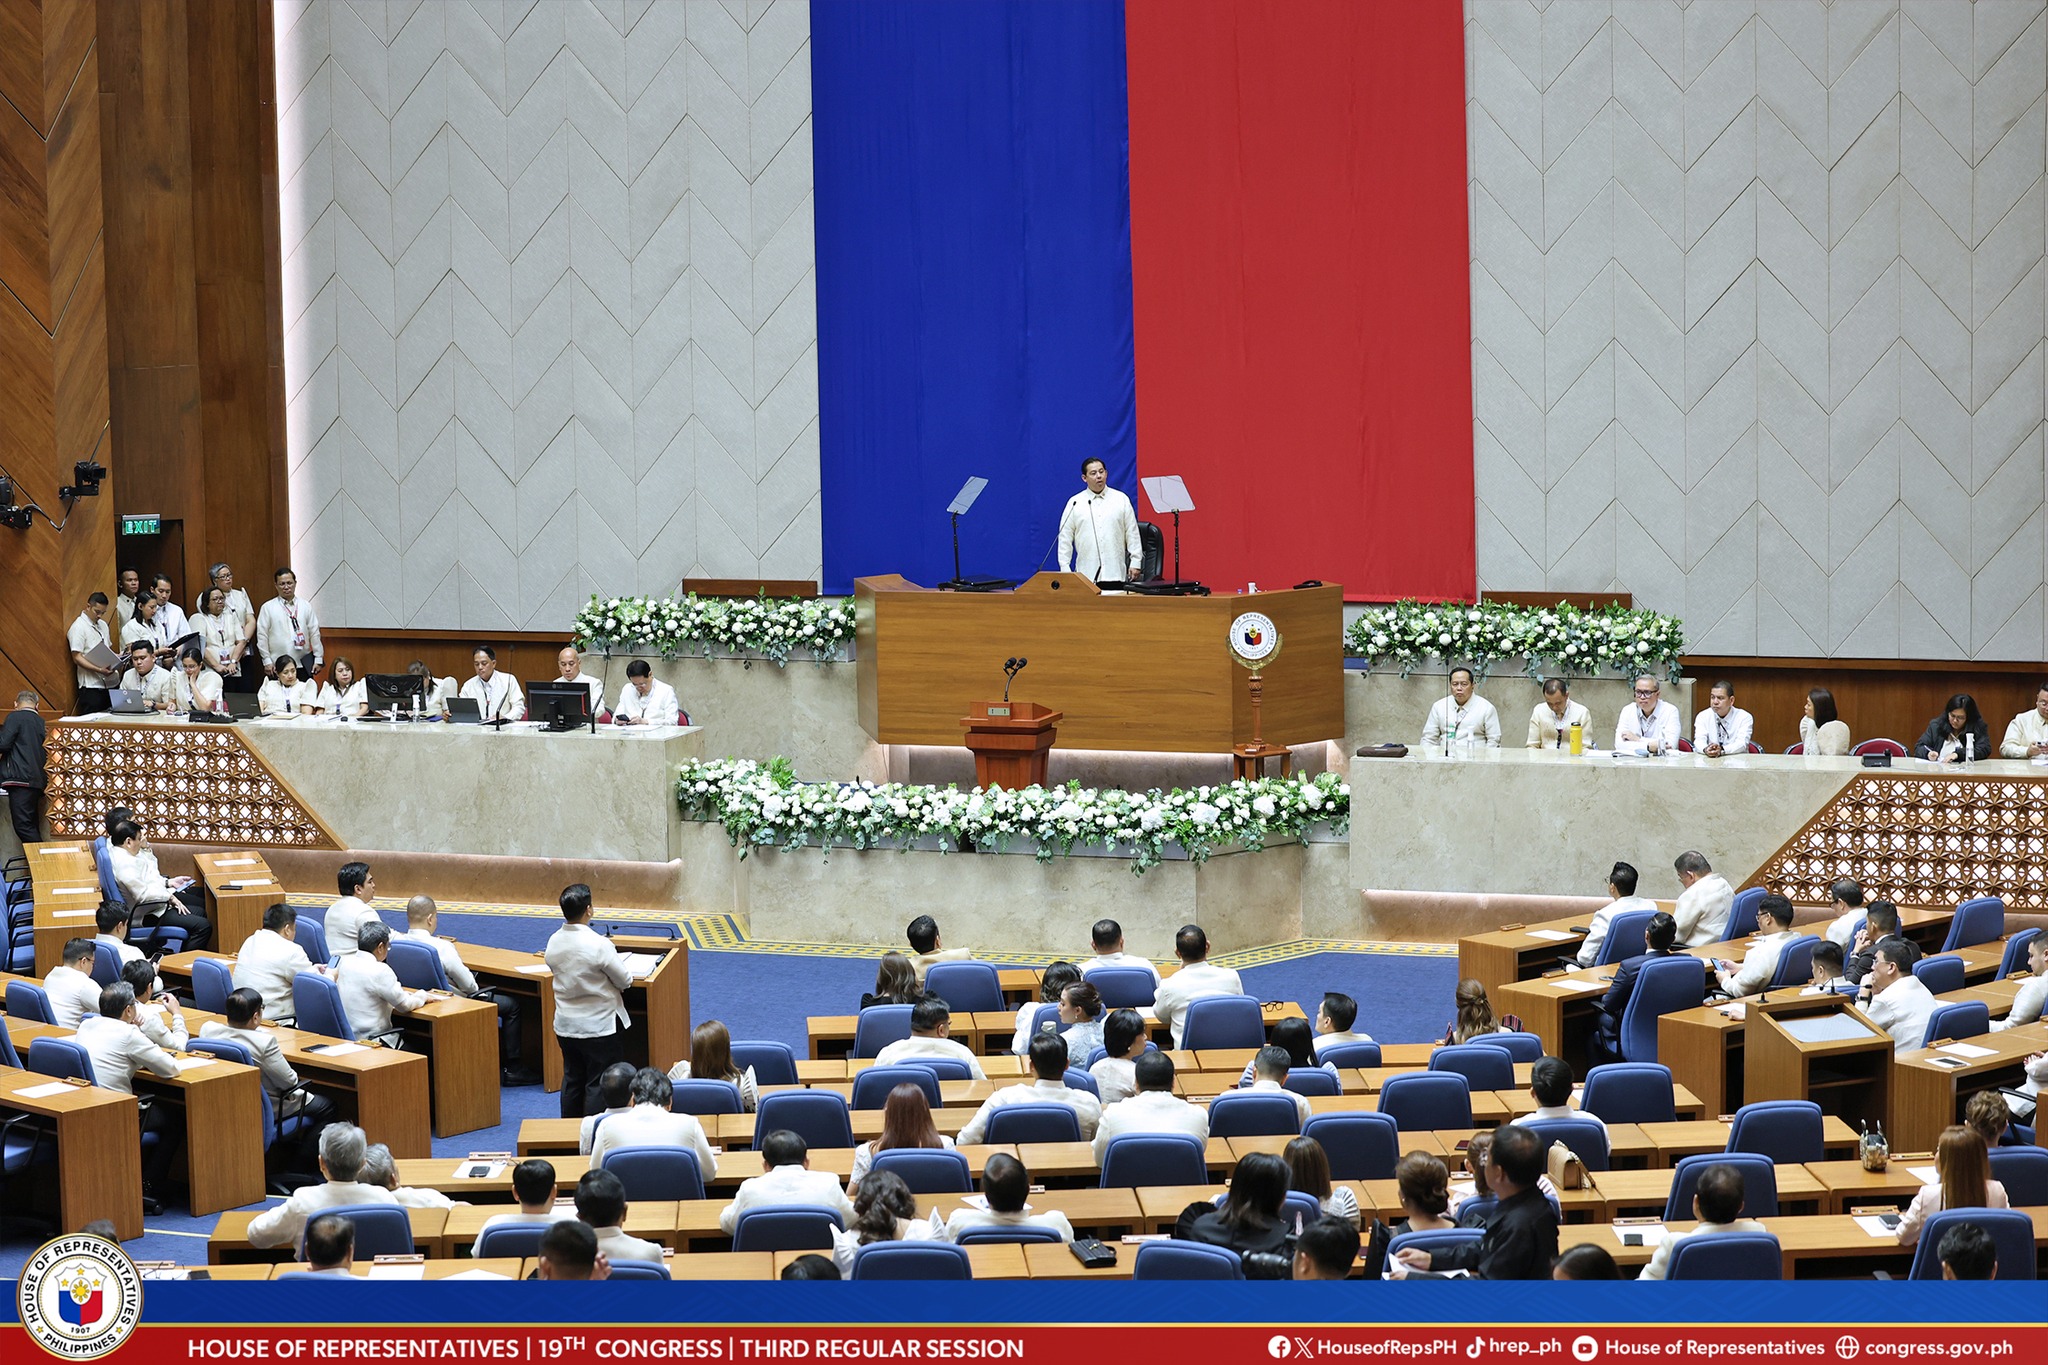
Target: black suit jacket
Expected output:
[1619,990]
[1519,1243]
[1938,734]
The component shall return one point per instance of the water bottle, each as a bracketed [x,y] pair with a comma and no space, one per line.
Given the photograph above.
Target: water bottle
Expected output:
[1969,748]
[1578,739]
[1451,739]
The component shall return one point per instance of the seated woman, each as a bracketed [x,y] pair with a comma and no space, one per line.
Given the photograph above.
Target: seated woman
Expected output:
[1248,1220]
[710,1059]
[895,983]
[1081,1018]
[906,1122]
[1475,1016]
[1957,735]
[1300,1042]
[1308,1170]
[201,689]
[285,695]
[883,1211]
[346,695]
[1425,1190]
[1821,731]
[1963,1165]
[1055,979]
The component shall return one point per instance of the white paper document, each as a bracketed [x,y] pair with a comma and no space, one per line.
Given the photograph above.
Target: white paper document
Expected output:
[245,883]
[476,1275]
[640,964]
[1869,1223]
[1578,983]
[1552,935]
[74,890]
[43,1092]
[234,862]
[1652,1233]
[411,1271]
[336,1049]
[185,1064]
[1926,1175]
[469,1170]
[535,969]
[75,914]
[1967,1050]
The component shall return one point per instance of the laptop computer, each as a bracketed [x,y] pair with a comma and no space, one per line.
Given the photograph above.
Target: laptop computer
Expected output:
[465,711]
[122,702]
[243,705]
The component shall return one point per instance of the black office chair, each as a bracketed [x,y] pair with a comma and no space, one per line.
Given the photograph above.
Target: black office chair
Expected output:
[1151,552]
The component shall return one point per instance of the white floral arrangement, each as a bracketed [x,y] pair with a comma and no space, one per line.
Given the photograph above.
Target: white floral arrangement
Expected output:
[1560,639]
[776,628]
[762,805]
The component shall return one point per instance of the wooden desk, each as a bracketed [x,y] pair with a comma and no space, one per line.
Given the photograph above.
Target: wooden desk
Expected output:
[1848,1185]
[658,1004]
[239,887]
[652,1220]
[1996,996]
[460,1039]
[97,1138]
[65,882]
[493,1192]
[1704,1049]
[1501,957]
[1674,1140]
[1929,1094]
[1562,1010]
[433,1268]
[987,1033]
[1633,1194]
[1828,1244]
[229,1244]
[1131,672]
[457,1036]
[386,1092]
[223,1104]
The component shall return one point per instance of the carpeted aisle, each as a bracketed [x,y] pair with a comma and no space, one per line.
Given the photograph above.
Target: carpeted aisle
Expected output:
[1403,997]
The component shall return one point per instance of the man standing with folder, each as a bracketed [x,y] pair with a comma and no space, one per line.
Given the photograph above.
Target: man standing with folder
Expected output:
[1099,530]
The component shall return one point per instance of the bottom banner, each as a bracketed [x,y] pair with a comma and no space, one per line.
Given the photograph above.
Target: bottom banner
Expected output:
[701,1342]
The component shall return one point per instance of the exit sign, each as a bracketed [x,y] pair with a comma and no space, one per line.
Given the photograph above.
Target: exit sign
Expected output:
[152,525]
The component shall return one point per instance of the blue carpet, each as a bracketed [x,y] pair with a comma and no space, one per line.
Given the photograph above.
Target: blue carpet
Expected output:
[764,995]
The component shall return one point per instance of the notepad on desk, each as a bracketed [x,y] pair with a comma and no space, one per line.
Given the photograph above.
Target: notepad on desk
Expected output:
[640,964]
[185,1064]
[1578,983]
[43,1092]
[1552,935]
[336,1049]
[1967,1050]
[1874,1225]
[534,969]
[234,862]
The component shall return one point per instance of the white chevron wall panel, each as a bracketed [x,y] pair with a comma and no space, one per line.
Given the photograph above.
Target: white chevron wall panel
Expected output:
[550,316]
[1759,316]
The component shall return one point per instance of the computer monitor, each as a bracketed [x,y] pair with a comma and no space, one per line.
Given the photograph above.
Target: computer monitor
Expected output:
[560,705]
[385,690]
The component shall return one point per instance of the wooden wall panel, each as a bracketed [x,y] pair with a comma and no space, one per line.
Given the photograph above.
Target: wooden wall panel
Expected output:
[1877,698]
[524,654]
[190,173]
[54,400]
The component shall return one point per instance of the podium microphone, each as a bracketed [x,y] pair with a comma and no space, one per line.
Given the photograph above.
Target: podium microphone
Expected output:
[1011,668]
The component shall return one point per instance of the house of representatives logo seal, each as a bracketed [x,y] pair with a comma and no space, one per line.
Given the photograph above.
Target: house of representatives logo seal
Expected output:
[79,1296]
